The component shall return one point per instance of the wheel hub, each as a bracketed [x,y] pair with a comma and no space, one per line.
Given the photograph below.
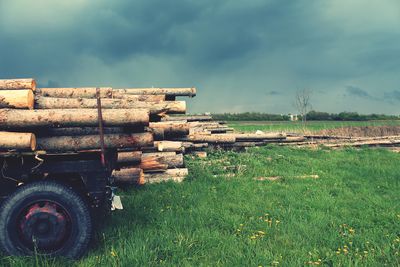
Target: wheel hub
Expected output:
[44,226]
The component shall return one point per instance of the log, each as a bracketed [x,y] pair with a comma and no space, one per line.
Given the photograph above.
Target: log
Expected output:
[158,133]
[171,159]
[71,118]
[90,92]
[189,118]
[17,141]
[152,164]
[177,146]
[205,138]
[128,176]
[172,107]
[22,99]
[12,84]
[158,91]
[176,175]
[83,131]
[171,129]
[255,137]
[89,142]
[129,158]
[169,146]
[85,92]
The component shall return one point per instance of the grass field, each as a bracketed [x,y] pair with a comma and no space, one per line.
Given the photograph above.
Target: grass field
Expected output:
[227,213]
[289,126]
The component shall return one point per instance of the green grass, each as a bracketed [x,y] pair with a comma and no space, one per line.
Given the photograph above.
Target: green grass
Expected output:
[222,216]
[298,126]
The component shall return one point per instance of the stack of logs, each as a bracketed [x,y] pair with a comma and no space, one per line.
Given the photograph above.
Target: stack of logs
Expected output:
[66,120]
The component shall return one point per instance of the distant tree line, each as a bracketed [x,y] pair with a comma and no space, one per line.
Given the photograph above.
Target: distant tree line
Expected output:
[312,116]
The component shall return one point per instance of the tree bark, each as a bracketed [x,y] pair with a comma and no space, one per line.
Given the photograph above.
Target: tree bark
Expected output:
[256,137]
[158,91]
[21,99]
[90,92]
[17,141]
[176,175]
[152,164]
[171,129]
[172,107]
[12,84]
[71,118]
[129,158]
[205,138]
[171,159]
[128,176]
[89,142]
[193,118]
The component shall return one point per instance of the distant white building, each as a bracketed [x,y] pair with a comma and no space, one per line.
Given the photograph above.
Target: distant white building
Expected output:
[293,117]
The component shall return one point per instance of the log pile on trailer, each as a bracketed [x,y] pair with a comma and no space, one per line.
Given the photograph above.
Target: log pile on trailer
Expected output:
[146,125]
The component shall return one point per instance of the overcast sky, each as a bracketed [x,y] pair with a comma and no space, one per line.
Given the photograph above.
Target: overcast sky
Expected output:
[242,55]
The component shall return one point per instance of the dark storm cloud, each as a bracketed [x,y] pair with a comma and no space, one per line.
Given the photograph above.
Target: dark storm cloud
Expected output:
[393,96]
[233,51]
[355,91]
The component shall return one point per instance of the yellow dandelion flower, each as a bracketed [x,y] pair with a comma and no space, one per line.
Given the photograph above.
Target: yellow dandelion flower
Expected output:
[261,232]
[113,253]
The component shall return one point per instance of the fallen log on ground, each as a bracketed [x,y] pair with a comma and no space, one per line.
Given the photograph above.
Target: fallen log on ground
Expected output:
[190,118]
[21,99]
[176,175]
[172,107]
[205,138]
[251,137]
[71,118]
[16,84]
[17,141]
[88,142]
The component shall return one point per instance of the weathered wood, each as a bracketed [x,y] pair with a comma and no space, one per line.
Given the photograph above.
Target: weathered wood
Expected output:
[189,118]
[71,118]
[171,159]
[169,146]
[205,138]
[129,158]
[255,137]
[152,164]
[176,175]
[21,99]
[12,84]
[178,146]
[158,91]
[90,92]
[17,141]
[172,107]
[83,92]
[84,131]
[128,176]
[87,142]
[171,129]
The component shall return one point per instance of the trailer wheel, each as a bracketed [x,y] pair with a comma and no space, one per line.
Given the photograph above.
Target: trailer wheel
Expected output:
[47,218]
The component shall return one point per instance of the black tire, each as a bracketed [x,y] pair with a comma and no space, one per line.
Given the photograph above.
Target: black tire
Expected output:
[45,217]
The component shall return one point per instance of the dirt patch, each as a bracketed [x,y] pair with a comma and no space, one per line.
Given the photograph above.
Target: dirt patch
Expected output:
[365,131]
